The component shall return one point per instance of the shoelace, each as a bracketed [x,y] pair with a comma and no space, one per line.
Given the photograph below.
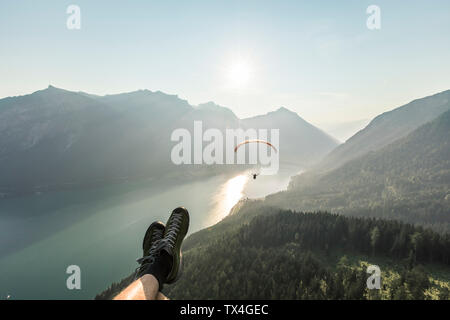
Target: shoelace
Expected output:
[157,235]
[150,258]
[174,228]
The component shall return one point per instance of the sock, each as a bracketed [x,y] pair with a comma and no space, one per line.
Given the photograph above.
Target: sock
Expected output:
[160,269]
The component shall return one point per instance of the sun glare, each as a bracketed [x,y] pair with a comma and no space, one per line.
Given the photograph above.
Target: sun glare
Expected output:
[230,193]
[239,73]
[233,191]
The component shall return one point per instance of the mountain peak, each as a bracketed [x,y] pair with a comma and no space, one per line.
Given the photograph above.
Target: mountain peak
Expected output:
[215,108]
[52,90]
[284,109]
[285,112]
[210,105]
[281,113]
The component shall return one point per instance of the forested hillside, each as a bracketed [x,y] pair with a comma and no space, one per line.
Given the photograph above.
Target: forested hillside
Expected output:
[387,128]
[407,180]
[292,255]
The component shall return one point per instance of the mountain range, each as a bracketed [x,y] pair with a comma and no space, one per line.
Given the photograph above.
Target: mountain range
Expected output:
[54,138]
[388,127]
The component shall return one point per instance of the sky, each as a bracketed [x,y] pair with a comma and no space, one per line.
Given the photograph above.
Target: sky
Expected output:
[317,58]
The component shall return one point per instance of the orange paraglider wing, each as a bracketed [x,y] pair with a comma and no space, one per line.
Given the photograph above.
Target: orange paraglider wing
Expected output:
[255,141]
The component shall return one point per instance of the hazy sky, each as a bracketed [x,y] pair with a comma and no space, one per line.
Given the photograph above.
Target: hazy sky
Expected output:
[317,58]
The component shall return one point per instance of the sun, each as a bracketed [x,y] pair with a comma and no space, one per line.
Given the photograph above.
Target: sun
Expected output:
[239,73]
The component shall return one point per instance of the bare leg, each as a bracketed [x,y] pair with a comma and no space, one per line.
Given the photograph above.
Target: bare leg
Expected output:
[144,288]
[161,296]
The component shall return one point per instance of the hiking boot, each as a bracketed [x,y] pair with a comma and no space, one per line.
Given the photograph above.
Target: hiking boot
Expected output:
[154,233]
[176,229]
[150,263]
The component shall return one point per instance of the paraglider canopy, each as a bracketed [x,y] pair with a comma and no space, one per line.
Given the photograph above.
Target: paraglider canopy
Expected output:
[255,141]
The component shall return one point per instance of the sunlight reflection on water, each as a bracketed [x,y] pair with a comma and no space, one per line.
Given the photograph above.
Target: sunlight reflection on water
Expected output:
[229,194]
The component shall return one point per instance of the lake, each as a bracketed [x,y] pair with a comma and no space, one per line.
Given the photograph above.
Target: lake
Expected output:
[101,229]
